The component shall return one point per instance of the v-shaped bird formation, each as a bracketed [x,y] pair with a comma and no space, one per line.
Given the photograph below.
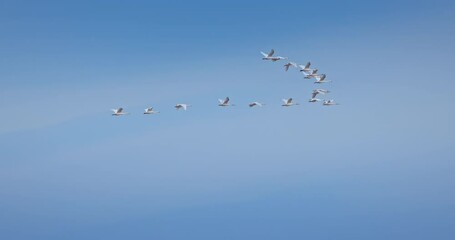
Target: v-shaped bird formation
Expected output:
[308,72]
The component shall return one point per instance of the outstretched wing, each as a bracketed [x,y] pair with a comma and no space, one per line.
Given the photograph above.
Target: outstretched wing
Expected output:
[226,100]
[319,78]
[289,101]
[287,65]
[322,91]
[314,94]
[119,110]
[264,54]
[306,67]
[271,53]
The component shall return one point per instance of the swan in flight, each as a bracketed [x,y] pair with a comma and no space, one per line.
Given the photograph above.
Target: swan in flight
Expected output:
[329,103]
[306,68]
[118,112]
[316,92]
[288,102]
[150,111]
[320,91]
[253,104]
[225,102]
[182,106]
[313,97]
[289,64]
[321,79]
[314,100]
[270,56]
[312,74]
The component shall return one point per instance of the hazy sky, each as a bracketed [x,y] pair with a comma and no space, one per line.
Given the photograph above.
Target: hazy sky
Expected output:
[378,166]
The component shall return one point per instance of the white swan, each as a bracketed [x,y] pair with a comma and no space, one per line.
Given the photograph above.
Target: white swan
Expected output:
[182,106]
[288,102]
[312,74]
[225,102]
[306,68]
[329,103]
[253,104]
[150,111]
[314,100]
[270,56]
[315,93]
[289,64]
[321,91]
[321,79]
[118,112]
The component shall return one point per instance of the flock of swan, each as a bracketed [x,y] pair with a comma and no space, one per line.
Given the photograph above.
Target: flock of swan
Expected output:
[308,72]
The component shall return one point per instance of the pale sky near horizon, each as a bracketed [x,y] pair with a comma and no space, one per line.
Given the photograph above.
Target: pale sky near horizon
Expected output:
[378,166]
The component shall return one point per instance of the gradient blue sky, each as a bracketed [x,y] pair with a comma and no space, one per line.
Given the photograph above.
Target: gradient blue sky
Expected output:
[378,166]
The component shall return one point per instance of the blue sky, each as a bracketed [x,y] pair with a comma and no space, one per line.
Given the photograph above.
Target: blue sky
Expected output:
[378,166]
